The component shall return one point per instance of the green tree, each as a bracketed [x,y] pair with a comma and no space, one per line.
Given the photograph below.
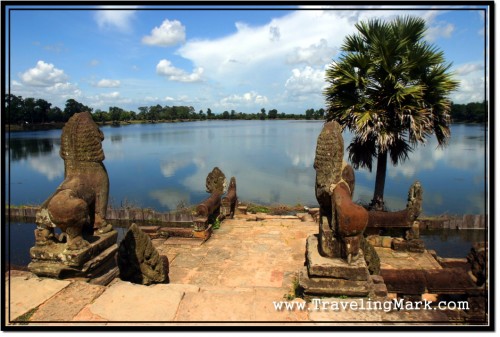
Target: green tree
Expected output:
[272,114]
[55,114]
[115,113]
[72,106]
[100,116]
[262,115]
[14,106]
[389,87]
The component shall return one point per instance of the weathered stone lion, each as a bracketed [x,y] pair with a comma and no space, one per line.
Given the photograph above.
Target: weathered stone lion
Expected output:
[79,204]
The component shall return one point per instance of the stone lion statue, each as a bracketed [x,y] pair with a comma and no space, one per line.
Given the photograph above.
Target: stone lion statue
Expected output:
[78,206]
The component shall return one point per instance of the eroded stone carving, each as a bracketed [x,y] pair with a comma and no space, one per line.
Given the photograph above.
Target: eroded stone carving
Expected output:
[216,182]
[87,245]
[342,222]
[138,260]
[79,203]
[404,218]
[230,200]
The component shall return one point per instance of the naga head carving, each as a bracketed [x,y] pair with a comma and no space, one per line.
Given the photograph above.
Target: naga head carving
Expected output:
[216,181]
[328,161]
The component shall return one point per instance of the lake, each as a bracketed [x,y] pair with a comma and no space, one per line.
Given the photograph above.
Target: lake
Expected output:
[162,166]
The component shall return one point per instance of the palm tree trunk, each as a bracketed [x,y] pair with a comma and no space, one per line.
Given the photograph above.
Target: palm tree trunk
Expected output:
[378,196]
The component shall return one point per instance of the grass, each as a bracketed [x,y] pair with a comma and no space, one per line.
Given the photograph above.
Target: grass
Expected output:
[275,209]
[24,318]
[296,291]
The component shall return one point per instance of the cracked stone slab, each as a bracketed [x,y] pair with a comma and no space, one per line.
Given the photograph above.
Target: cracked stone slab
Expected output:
[120,301]
[20,297]
[67,303]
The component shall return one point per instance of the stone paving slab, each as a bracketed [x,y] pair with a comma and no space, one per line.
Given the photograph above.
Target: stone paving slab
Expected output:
[128,302]
[26,293]
[68,302]
[390,259]
[231,278]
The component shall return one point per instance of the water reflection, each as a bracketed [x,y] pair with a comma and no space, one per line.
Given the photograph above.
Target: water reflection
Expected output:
[24,148]
[159,165]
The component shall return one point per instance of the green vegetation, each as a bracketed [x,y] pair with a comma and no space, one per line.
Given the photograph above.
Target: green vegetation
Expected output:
[470,113]
[296,291]
[25,113]
[275,209]
[390,89]
[216,224]
[35,113]
[24,318]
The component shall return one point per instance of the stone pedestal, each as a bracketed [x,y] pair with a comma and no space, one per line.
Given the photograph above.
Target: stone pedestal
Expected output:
[95,263]
[323,276]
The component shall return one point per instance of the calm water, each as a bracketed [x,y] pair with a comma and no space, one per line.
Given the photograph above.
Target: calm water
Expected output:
[163,165]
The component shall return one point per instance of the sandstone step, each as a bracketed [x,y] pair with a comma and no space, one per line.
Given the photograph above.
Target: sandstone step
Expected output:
[320,266]
[322,286]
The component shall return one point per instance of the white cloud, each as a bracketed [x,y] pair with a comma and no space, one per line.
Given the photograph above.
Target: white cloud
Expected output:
[165,68]
[442,29]
[472,83]
[43,75]
[247,99]
[107,83]
[114,94]
[168,34]
[118,19]
[94,63]
[50,166]
[64,90]
[47,82]
[304,82]
[316,54]
[468,68]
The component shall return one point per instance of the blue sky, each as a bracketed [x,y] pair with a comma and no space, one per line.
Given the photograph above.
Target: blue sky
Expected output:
[220,59]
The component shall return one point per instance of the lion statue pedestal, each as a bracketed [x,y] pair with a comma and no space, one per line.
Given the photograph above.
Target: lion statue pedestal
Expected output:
[86,246]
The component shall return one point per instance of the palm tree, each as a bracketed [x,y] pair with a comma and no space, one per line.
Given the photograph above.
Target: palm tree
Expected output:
[389,87]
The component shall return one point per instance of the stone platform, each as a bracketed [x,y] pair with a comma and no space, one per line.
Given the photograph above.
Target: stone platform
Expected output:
[324,276]
[233,279]
[95,262]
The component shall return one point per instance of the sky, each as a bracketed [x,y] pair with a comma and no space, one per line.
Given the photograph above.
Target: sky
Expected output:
[222,59]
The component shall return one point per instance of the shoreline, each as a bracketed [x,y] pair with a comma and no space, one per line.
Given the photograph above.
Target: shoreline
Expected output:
[131,214]
[60,125]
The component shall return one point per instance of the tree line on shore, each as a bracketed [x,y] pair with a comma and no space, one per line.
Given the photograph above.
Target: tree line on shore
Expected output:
[31,110]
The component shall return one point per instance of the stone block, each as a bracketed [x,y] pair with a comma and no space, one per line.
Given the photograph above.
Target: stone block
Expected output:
[57,252]
[149,229]
[380,290]
[399,244]
[410,281]
[328,245]
[93,262]
[377,279]
[320,286]
[319,266]
[416,246]
[204,235]
[386,242]
[157,302]
[448,281]
[375,240]
[241,210]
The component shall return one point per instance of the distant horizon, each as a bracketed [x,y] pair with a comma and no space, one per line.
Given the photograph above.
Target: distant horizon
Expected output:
[271,57]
